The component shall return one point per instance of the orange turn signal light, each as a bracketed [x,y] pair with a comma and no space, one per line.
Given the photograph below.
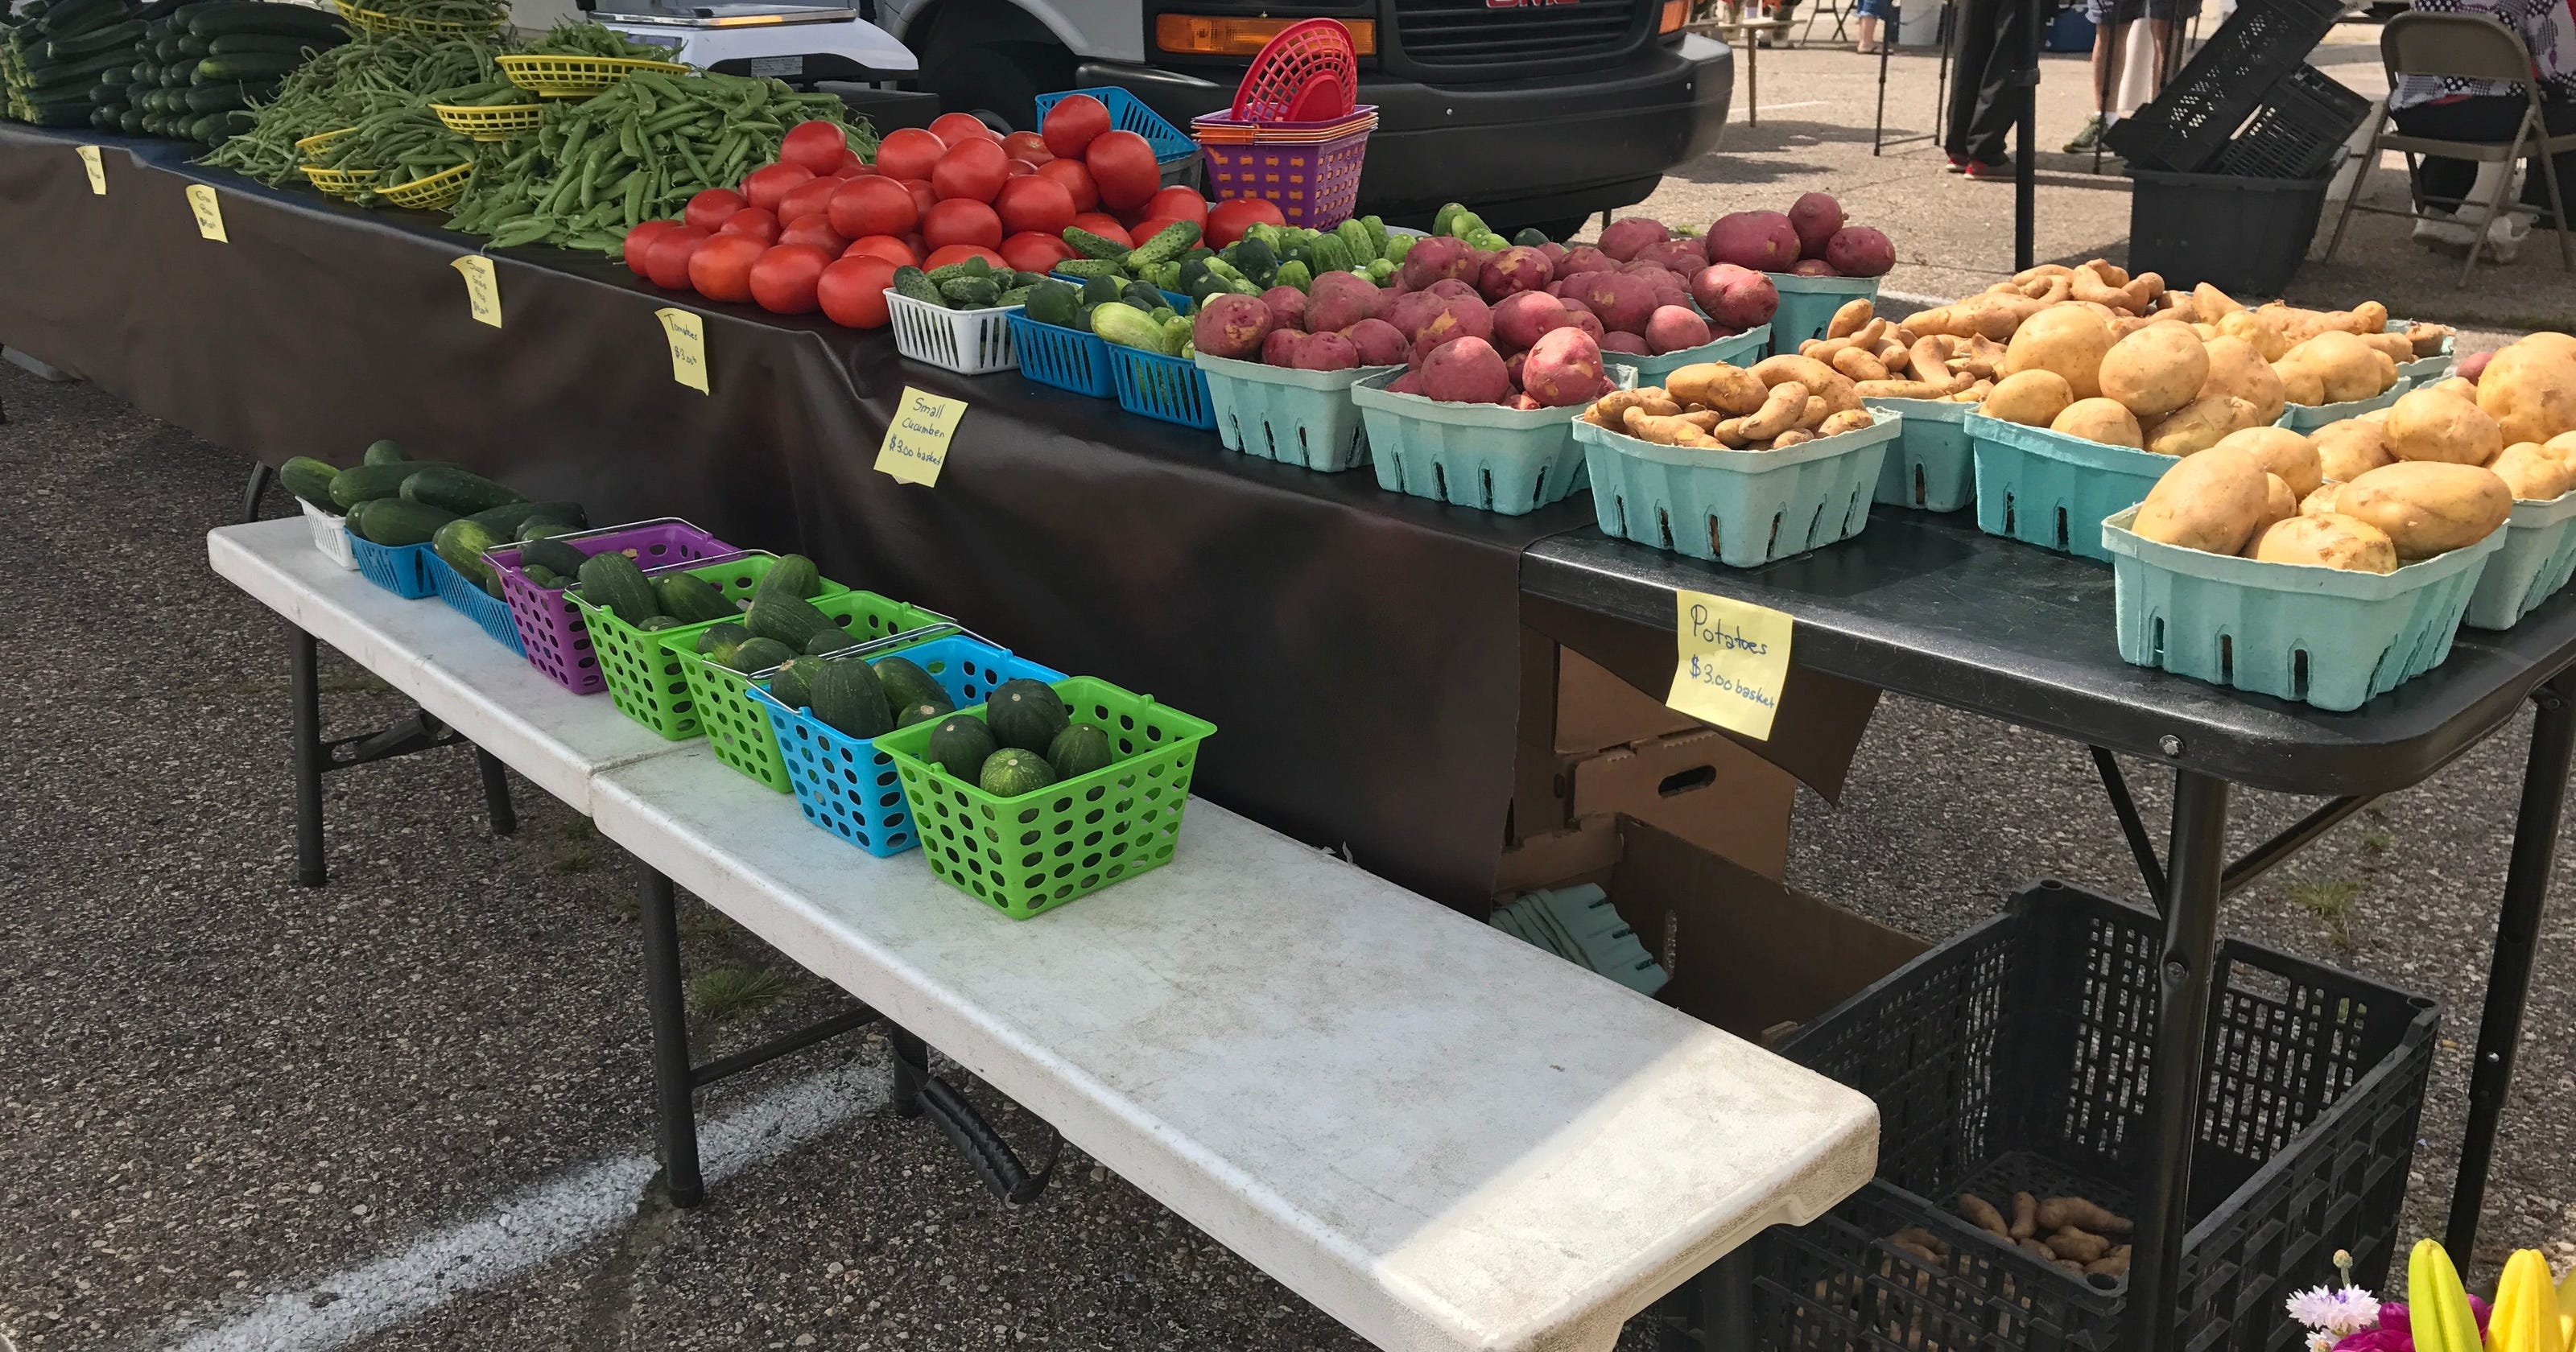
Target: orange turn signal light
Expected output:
[1210,35]
[1676,13]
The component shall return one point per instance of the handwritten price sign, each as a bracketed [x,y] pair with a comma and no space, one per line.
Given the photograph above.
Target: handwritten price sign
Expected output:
[1733,661]
[482,289]
[95,168]
[688,335]
[209,213]
[916,441]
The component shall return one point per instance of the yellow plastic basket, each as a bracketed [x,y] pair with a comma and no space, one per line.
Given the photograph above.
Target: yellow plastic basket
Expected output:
[378,21]
[490,124]
[437,192]
[340,182]
[578,77]
[313,146]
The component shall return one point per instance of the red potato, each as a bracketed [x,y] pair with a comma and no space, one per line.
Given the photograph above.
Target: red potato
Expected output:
[1812,267]
[667,261]
[1672,328]
[1573,304]
[1122,163]
[1227,220]
[786,279]
[639,242]
[1035,203]
[1516,365]
[959,253]
[709,210]
[961,220]
[1408,383]
[1232,326]
[752,221]
[1280,348]
[883,246]
[1585,259]
[1076,178]
[1287,306]
[765,187]
[1590,323]
[973,170]
[720,268]
[1325,352]
[1072,124]
[1466,371]
[1027,145]
[1106,227]
[810,198]
[1407,311]
[1564,369]
[909,152]
[1681,256]
[1623,302]
[874,205]
[1859,251]
[1378,343]
[1621,341]
[1456,317]
[817,231]
[1555,256]
[1030,251]
[956,129]
[1516,269]
[852,291]
[1438,258]
[1738,298]
[1761,240]
[1338,300]
[1177,203]
[2469,368]
[1520,319]
[1452,287]
[1622,239]
[817,145]
[1815,216]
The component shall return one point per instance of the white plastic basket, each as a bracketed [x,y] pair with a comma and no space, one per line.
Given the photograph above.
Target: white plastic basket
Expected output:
[328,535]
[969,342]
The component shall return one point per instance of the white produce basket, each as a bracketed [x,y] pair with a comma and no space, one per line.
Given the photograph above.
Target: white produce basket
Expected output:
[969,342]
[328,536]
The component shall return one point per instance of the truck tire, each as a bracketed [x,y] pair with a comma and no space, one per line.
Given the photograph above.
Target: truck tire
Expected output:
[992,60]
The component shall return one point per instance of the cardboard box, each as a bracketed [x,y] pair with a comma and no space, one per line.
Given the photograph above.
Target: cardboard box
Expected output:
[1573,705]
[1748,954]
[1701,786]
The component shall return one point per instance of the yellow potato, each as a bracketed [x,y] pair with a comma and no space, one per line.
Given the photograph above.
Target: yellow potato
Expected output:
[2457,388]
[2198,425]
[2430,425]
[2213,502]
[2328,541]
[2067,339]
[2236,368]
[2300,384]
[2533,472]
[2156,370]
[2279,504]
[2031,398]
[2346,368]
[2428,507]
[2283,452]
[2321,502]
[2267,339]
[2352,448]
[2098,419]
[2563,446]
[2530,388]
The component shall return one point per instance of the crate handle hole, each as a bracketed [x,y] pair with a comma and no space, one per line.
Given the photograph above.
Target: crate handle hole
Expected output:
[2102,1281]
[2298,673]
[2063,541]
[2008,513]
[1922,491]
[1687,780]
[2226,658]
[1664,527]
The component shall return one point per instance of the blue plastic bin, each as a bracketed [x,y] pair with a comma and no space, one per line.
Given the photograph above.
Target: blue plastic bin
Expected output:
[848,787]
[1739,349]
[1170,388]
[1294,417]
[400,569]
[1068,359]
[1180,303]
[1504,460]
[1807,305]
[2051,490]
[472,602]
[2295,631]
[1931,468]
[1739,508]
[2535,561]
[2306,418]
[1129,113]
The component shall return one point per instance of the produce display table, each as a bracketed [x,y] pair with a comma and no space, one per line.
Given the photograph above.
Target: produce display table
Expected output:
[1439,1134]
[1930,607]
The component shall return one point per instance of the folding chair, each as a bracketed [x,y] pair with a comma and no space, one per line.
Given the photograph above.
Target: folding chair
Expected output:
[2461,47]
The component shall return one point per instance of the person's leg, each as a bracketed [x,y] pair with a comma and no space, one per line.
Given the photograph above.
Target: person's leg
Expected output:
[2105,38]
[1976,50]
[1865,33]
[1998,96]
[2441,181]
[2164,32]
[2558,118]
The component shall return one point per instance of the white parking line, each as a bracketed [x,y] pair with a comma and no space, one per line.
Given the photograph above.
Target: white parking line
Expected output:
[530,1228]
[1776,107]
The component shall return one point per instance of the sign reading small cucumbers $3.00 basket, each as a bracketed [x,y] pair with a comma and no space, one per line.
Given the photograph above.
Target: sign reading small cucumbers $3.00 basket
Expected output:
[917,437]
[1733,661]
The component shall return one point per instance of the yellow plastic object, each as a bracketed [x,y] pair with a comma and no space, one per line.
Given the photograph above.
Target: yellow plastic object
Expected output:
[490,124]
[377,21]
[437,192]
[313,146]
[578,77]
[340,182]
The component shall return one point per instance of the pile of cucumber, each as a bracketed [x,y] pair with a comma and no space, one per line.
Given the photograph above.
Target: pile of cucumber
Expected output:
[390,499]
[61,54]
[199,70]
[1130,314]
[970,284]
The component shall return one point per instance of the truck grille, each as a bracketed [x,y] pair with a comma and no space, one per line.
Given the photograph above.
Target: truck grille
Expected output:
[1469,32]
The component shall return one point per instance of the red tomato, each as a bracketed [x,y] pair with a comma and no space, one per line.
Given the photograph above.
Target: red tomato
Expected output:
[1030,251]
[1179,204]
[709,210]
[872,206]
[808,198]
[1019,168]
[1147,229]
[818,146]
[971,169]
[1105,227]
[886,247]
[1028,145]
[1227,219]
[720,268]
[1072,124]
[752,221]
[639,242]
[852,166]
[913,242]
[667,262]
[961,220]
[1076,178]
[764,186]
[959,253]
[1034,203]
[956,129]
[924,197]
[783,279]
[817,231]
[908,152]
[1122,163]
[852,292]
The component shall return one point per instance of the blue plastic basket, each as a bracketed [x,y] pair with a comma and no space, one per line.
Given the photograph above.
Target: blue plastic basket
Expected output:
[1504,460]
[1739,508]
[1068,359]
[1129,113]
[1294,417]
[1179,302]
[400,569]
[1807,305]
[2306,418]
[1930,468]
[1737,349]
[2536,559]
[848,787]
[472,602]
[1170,388]
[2051,490]
[2295,631]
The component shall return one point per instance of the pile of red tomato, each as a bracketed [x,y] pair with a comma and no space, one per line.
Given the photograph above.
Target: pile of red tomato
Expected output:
[821,230]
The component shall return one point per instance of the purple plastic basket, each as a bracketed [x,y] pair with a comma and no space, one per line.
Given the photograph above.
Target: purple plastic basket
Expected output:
[550,626]
[1314,184]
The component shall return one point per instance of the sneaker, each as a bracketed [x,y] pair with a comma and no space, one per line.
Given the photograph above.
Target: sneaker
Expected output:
[2090,138]
[2442,232]
[1958,165]
[1979,169]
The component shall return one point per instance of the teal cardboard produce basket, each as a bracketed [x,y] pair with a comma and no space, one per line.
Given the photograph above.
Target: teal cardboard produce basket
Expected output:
[2048,489]
[2535,560]
[1807,305]
[2306,418]
[1736,349]
[1294,417]
[1504,460]
[1739,508]
[1931,468]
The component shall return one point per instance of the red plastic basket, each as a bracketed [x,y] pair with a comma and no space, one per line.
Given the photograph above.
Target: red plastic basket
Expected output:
[1308,73]
[1313,183]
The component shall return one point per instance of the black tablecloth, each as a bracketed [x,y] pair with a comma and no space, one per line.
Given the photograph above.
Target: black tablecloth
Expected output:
[1357,649]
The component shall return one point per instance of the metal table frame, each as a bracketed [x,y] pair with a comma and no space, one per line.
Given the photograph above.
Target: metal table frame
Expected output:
[1915,607]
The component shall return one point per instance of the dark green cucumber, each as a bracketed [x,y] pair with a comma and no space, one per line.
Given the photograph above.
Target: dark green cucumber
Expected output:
[192,45]
[760,654]
[394,522]
[1026,714]
[791,620]
[246,66]
[223,98]
[960,745]
[242,44]
[215,128]
[214,21]
[310,479]
[96,40]
[613,582]
[461,542]
[789,575]
[1090,245]
[384,453]
[691,599]
[554,554]
[460,491]
[365,483]
[848,698]
[907,684]
[504,521]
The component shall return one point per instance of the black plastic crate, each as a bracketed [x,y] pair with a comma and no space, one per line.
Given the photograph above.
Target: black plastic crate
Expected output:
[2238,234]
[2295,134]
[2185,128]
[2017,1057]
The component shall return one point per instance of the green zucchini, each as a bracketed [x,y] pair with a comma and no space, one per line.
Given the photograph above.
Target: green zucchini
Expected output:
[217,98]
[216,128]
[74,113]
[247,66]
[457,490]
[237,44]
[192,45]
[81,16]
[104,115]
[132,122]
[214,21]
[94,41]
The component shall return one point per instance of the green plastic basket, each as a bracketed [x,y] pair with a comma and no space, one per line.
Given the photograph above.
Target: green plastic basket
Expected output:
[1807,305]
[1739,508]
[1931,468]
[1294,417]
[1505,460]
[2048,489]
[2536,559]
[645,677]
[735,724]
[2306,418]
[1070,839]
[1735,349]
[2295,631]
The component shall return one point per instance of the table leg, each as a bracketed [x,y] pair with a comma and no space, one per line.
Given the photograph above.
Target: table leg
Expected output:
[304,699]
[496,793]
[911,1069]
[673,1100]
[260,474]
[2526,890]
[2197,856]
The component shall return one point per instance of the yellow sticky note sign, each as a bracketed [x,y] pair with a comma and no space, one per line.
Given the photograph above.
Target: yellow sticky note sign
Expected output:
[95,168]
[916,440]
[1734,659]
[482,289]
[209,212]
[688,335]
